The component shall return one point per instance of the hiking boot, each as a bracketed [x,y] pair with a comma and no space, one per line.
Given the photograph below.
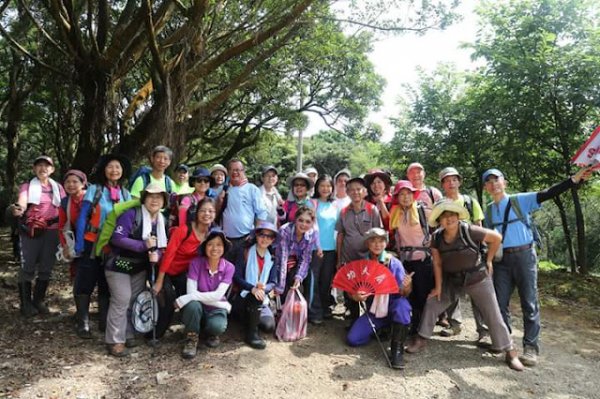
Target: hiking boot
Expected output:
[529,357]
[442,321]
[82,303]
[39,294]
[27,308]
[253,338]
[417,345]
[512,359]
[190,348]
[117,350]
[454,329]
[212,341]
[399,334]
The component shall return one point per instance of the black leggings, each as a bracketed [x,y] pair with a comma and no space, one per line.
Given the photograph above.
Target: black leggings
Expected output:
[422,284]
[173,287]
[90,272]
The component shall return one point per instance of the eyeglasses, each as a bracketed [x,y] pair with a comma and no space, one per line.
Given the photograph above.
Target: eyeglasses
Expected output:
[266,235]
[300,220]
[203,181]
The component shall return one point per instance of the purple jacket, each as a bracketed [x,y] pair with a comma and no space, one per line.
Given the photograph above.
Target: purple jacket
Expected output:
[288,245]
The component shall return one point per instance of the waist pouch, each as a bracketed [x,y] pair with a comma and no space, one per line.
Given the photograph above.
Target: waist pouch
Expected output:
[34,227]
[468,277]
[127,265]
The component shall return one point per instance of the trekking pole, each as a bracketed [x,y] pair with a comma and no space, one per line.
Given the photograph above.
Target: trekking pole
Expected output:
[154,342]
[364,308]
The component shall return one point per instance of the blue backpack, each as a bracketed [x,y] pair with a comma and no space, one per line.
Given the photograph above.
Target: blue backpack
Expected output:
[144,172]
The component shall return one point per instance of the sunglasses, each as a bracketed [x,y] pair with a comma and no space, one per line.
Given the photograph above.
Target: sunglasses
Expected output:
[266,235]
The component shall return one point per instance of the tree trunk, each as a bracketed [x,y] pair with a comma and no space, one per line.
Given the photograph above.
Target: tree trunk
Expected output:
[567,233]
[96,114]
[580,222]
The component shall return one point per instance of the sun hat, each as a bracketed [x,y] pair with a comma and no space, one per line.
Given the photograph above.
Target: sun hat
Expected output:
[491,172]
[370,177]
[344,171]
[76,172]
[376,232]
[449,171]
[218,167]
[402,184]
[445,205]
[310,170]
[264,225]
[215,232]
[44,158]
[201,173]
[302,176]
[414,165]
[154,188]
[269,168]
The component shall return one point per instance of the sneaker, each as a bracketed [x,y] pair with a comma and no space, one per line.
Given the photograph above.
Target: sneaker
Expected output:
[451,331]
[212,341]
[484,340]
[529,357]
[190,346]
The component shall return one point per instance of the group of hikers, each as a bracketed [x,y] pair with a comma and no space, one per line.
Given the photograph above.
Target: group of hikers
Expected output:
[210,244]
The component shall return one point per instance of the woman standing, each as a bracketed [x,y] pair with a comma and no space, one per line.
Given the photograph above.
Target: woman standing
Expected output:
[75,183]
[323,265]
[37,208]
[300,185]
[256,276]
[204,307]
[294,250]
[181,250]
[108,189]
[138,239]
[201,181]
[378,193]
[458,269]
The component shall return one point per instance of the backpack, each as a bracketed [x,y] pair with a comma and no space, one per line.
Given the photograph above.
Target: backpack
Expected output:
[144,172]
[173,210]
[468,203]
[513,203]
[368,207]
[111,222]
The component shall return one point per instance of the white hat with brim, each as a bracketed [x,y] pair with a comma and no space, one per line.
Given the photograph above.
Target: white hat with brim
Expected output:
[154,188]
[446,206]
[301,176]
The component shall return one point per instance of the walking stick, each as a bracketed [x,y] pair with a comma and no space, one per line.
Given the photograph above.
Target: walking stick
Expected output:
[387,358]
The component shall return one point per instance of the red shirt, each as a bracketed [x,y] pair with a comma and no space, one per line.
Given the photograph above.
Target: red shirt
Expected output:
[179,253]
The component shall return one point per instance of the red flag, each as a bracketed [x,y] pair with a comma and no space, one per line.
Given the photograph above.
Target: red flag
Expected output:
[589,153]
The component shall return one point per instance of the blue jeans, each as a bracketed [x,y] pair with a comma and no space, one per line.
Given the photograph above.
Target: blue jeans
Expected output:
[519,269]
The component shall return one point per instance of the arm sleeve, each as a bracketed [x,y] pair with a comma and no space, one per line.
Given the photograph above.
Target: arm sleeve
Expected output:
[174,242]
[80,224]
[205,297]
[554,190]
[306,258]
[272,281]
[120,237]
[260,210]
[239,276]
[182,210]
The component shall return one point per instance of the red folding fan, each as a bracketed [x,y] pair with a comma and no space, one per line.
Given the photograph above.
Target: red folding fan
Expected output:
[367,277]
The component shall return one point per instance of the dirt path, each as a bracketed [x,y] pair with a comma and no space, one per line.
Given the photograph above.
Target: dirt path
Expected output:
[43,358]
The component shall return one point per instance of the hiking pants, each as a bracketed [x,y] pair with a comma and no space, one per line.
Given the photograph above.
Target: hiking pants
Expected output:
[89,273]
[197,318]
[361,331]
[173,287]
[319,285]
[240,312]
[484,296]
[123,290]
[38,254]
[423,283]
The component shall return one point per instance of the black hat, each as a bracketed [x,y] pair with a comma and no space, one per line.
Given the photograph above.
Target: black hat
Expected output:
[215,232]
[201,173]
[357,180]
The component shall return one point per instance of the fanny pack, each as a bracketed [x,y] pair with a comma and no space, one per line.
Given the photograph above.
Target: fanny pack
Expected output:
[468,277]
[127,265]
[34,227]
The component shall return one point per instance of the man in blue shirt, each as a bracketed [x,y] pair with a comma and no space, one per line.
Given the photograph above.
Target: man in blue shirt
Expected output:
[241,205]
[518,266]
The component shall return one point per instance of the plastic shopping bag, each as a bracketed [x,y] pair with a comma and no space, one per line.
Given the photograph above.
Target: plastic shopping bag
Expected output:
[294,316]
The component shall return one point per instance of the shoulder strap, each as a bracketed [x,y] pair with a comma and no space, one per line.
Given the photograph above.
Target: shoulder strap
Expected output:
[369,207]
[468,203]
[516,206]
[146,178]
[465,235]
[95,201]
[430,193]
[190,230]
[168,184]
[437,237]
[136,231]
[423,219]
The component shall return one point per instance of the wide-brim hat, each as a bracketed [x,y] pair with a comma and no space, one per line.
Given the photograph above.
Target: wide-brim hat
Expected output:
[215,232]
[446,206]
[263,225]
[449,171]
[154,188]
[301,176]
[98,170]
[218,167]
[344,171]
[414,165]
[377,232]
[201,173]
[310,170]
[387,180]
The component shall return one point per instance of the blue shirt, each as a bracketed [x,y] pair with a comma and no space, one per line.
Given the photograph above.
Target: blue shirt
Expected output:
[327,215]
[244,205]
[517,233]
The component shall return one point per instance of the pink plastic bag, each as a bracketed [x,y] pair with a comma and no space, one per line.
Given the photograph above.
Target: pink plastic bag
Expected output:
[292,323]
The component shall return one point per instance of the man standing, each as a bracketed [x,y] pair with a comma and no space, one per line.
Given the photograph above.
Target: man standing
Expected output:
[240,206]
[415,173]
[270,194]
[182,175]
[511,216]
